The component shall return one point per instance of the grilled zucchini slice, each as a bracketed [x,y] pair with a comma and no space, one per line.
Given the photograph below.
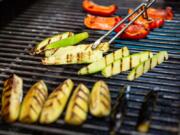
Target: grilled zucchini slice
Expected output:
[40,47]
[103,62]
[125,63]
[77,108]
[11,98]
[100,100]
[33,102]
[76,57]
[54,105]
[145,66]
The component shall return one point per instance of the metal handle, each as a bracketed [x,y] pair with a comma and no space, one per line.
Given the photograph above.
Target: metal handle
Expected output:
[142,6]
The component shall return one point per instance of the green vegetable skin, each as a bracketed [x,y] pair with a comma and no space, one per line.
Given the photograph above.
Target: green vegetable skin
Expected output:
[68,41]
[40,47]
[125,63]
[145,66]
[103,62]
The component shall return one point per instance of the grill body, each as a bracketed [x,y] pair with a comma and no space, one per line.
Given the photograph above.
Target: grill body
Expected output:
[44,18]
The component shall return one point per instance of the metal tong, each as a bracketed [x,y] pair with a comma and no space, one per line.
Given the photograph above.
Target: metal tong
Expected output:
[141,10]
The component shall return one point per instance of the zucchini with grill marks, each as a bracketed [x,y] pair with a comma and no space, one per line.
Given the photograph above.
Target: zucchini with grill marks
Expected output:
[55,104]
[11,98]
[33,103]
[103,62]
[40,47]
[77,108]
[145,66]
[125,63]
[100,100]
[76,55]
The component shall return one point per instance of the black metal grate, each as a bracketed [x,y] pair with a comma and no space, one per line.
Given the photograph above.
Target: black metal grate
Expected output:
[45,18]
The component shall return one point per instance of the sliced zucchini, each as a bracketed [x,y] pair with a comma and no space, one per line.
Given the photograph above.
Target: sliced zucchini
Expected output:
[33,103]
[40,47]
[11,98]
[77,108]
[55,104]
[125,63]
[100,100]
[145,66]
[103,62]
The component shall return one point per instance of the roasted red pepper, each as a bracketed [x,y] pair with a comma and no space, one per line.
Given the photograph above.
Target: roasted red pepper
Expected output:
[100,10]
[134,31]
[148,24]
[101,23]
[166,14]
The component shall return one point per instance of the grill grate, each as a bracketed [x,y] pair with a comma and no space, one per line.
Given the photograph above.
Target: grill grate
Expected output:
[44,18]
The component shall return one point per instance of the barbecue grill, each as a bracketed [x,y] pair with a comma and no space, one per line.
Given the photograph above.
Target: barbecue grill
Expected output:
[35,20]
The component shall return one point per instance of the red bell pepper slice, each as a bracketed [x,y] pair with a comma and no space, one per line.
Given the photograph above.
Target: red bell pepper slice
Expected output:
[166,14]
[101,23]
[148,24]
[134,31]
[100,10]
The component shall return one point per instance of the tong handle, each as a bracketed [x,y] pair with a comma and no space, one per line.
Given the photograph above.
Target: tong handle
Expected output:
[142,6]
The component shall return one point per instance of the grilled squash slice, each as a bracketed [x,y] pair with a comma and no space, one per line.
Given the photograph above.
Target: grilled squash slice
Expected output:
[125,63]
[76,54]
[11,98]
[54,105]
[100,100]
[103,62]
[77,108]
[145,66]
[40,47]
[33,103]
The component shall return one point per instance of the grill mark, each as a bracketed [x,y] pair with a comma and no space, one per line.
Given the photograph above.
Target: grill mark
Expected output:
[121,64]
[130,63]
[89,55]
[78,57]
[33,109]
[77,105]
[112,67]
[104,95]
[59,101]
[66,83]
[105,105]
[70,58]
[40,92]
[123,50]
[75,115]
[87,46]
[113,54]
[37,100]
[6,115]
[67,58]
[48,104]
[26,118]
[150,62]
[49,41]
[78,96]
[53,96]
[6,106]
[80,89]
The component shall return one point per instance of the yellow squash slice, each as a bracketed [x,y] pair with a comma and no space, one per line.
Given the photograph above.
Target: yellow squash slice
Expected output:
[56,102]
[33,103]
[100,100]
[77,108]
[11,98]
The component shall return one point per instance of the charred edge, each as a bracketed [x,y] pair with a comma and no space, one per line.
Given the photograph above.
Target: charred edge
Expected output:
[6,115]
[26,118]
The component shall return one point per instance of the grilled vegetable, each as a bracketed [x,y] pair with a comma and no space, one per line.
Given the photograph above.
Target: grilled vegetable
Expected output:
[134,31]
[145,66]
[40,47]
[76,54]
[96,9]
[33,103]
[54,105]
[68,41]
[119,110]
[103,62]
[77,108]
[125,63]
[101,23]
[144,119]
[100,100]
[11,98]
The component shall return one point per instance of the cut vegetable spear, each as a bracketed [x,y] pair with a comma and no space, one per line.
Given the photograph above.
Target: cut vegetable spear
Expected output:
[125,63]
[103,62]
[77,108]
[145,66]
[100,100]
[40,47]
[54,105]
[76,54]
[68,41]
